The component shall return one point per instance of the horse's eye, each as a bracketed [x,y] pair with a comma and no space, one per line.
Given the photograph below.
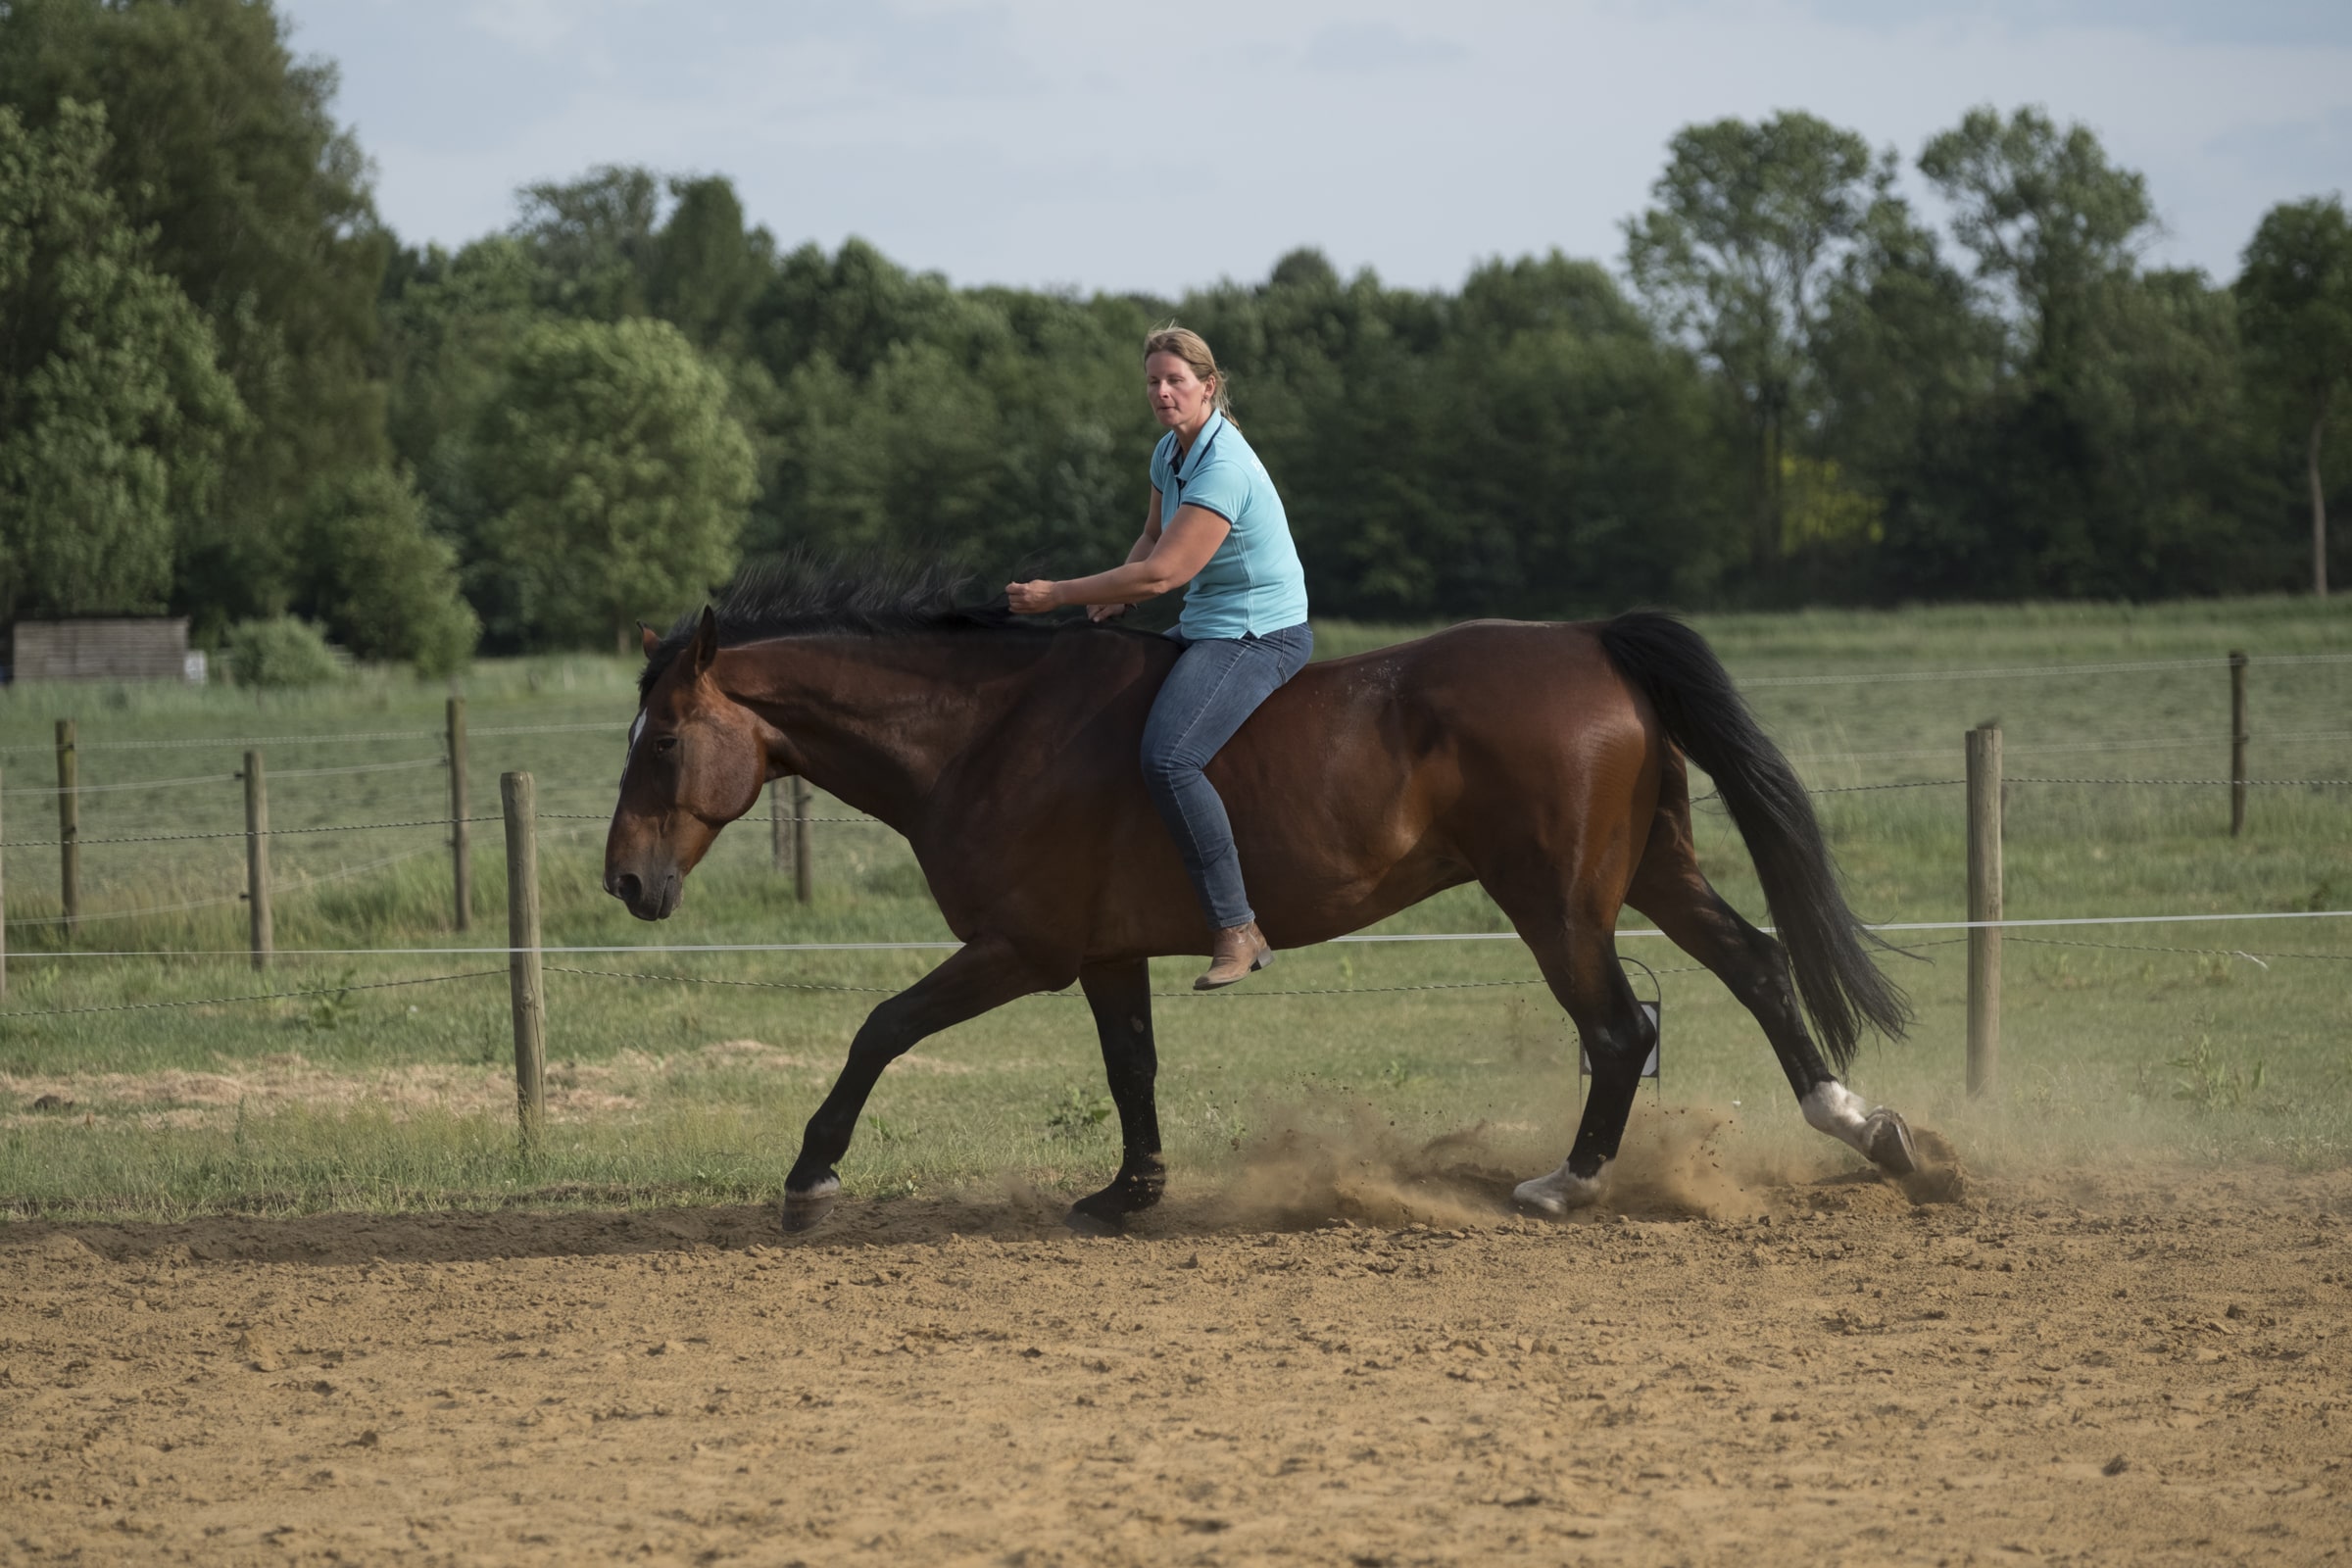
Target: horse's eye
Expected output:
[666,745]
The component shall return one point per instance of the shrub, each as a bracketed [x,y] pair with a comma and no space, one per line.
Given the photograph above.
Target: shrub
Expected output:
[279,652]
[376,576]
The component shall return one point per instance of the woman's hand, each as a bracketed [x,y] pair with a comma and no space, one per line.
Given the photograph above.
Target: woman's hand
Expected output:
[1101,612]
[1030,597]
[1172,559]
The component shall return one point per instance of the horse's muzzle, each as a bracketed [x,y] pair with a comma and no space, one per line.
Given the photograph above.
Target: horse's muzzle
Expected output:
[658,903]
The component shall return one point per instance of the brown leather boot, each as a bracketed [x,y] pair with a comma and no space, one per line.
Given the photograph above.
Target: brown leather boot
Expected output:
[1234,953]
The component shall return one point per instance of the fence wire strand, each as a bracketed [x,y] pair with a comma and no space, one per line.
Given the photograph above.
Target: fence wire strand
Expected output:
[1063,996]
[2199,783]
[258,996]
[1889,677]
[2214,952]
[239,832]
[297,884]
[134,784]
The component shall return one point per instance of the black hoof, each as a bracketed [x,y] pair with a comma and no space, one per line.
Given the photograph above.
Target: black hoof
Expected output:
[1108,1213]
[1887,1140]
[807,1211]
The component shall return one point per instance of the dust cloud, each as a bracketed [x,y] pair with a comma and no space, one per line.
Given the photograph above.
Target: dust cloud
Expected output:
[1328,1158]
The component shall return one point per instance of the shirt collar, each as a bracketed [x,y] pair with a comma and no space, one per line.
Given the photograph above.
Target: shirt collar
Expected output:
[1190,464]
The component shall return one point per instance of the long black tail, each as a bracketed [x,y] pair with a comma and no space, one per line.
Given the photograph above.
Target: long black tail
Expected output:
[1705,715]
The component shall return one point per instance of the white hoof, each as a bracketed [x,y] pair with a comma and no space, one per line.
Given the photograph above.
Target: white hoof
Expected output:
[1561,1190]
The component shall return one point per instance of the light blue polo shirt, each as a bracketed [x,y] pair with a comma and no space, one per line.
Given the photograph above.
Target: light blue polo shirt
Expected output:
[1253,584]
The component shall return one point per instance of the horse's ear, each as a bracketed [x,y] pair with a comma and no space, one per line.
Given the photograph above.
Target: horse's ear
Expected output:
[649,637]
[706,641]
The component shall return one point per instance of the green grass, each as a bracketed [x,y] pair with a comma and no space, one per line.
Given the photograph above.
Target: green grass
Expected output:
[389,1099]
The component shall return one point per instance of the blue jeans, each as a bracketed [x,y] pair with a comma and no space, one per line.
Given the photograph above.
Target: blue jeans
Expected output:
[1217,684]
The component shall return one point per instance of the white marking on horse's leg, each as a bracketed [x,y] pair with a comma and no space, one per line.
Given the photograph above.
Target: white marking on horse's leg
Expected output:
[1878,1134]
[1564,1190]
[1838,1111]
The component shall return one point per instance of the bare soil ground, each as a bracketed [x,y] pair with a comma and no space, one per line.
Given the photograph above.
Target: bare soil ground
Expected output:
[2150,1366]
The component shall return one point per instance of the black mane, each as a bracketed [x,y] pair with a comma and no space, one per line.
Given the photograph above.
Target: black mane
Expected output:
[798,594]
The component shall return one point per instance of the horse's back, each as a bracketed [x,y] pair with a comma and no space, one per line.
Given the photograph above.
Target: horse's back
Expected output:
[1505,692]
[1373,780]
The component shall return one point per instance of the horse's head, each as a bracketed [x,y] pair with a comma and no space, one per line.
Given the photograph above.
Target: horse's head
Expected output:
[697,761]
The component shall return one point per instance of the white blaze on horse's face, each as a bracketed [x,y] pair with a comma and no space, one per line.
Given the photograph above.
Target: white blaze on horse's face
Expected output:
[636,730]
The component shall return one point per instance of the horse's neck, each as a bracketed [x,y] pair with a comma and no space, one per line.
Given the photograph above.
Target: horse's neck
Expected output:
[874,721]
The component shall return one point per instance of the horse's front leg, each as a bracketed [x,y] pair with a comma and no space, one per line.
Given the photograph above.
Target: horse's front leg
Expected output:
[1120,995]
[983,975]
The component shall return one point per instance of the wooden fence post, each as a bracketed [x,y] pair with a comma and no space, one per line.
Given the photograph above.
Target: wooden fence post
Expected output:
[2237,744]
[779,848]
[69,823]
[519,797]
[799,839]
[257,858]
[1984,904]
[460,835]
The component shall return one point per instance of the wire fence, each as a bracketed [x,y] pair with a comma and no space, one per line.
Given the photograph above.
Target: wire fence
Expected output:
[450,823]
[455,823]
[2261,957]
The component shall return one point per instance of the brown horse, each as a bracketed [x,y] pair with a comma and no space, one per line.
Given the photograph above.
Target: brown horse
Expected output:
[1543,761]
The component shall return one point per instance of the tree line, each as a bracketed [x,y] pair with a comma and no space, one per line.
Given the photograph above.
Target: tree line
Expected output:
[226,389]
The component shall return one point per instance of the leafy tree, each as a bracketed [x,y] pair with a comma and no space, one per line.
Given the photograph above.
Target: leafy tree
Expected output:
[1905,366]
[380,580]
[593,240]
[1546,293]
[2160,398]
[2111,455]
[618,483]
[2294,301]
[996,425]
[624,242]
[451,326]
[707,268]
[1750,227]
[1585,472]
[114,415]
[2048,218]
[852,307]
[225,149]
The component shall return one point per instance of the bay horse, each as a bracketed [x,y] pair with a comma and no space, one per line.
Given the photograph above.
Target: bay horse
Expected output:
[1543,761]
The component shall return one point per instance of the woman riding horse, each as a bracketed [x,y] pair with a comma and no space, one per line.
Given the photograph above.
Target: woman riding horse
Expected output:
[1226,541]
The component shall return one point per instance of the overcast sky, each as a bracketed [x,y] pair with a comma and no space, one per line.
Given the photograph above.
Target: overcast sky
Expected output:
[1110,146]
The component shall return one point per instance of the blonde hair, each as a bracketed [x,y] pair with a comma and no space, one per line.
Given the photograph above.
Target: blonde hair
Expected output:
[1193,349]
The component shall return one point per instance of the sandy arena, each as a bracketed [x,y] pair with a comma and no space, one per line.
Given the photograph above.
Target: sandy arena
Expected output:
[2148,1367]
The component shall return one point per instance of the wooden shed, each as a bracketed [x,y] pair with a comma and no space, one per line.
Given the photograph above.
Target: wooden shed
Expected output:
[106,647]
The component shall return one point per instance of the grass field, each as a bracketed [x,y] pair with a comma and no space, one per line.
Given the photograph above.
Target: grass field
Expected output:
[2233,1047]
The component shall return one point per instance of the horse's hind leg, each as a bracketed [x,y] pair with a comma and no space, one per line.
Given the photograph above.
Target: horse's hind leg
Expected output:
[1120,995]
[1671,890]
[1572,941]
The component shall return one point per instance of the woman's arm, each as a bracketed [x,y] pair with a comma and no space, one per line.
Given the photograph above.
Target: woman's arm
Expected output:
[1174,558]
[1145,543]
